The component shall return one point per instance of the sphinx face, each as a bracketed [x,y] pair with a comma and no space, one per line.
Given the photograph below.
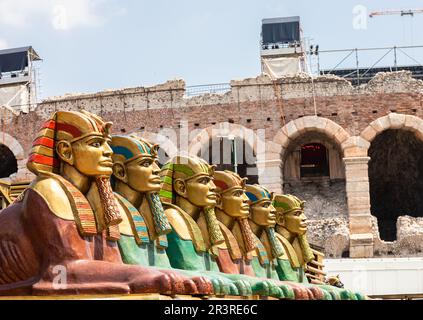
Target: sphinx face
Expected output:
[92,156]
[201,191]
[143,174]
[263,214]
[235,203]
[296,222]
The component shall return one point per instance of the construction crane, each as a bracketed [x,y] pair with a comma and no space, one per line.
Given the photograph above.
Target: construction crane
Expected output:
[411,12]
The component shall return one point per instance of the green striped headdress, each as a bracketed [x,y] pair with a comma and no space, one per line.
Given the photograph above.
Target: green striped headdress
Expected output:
[186,168]
[181,167]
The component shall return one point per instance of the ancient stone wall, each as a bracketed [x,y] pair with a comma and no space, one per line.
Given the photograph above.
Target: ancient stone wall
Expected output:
[284,110]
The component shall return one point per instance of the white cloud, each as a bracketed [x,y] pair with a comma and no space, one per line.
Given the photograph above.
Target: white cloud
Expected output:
[61,14]
[3,44]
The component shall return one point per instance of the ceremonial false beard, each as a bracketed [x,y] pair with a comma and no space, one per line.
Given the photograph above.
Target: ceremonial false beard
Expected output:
[247,234]
[161,223]
[305,248]
[112,215]
[277,249]
[215,234]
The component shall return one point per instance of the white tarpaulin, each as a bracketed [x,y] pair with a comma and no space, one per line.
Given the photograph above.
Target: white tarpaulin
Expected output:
[15,98]
[279,67]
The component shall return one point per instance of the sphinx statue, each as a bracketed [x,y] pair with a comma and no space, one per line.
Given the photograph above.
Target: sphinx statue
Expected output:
[246,250]
[60,236]
[197,242]
[143,230]
[188,197]
[291,229]
[269,250]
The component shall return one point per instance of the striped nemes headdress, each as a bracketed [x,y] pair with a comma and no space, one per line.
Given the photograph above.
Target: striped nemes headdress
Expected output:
[186,168]
[181,167]
[129,148]
[62,125]
[226,181]
[257,193]
[287,203]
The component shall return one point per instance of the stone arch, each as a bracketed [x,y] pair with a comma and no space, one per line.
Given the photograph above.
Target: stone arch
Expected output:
[13,145]
[253,142]
[17,150]
[393,121]
[298,127]
[395,143]
[225,128]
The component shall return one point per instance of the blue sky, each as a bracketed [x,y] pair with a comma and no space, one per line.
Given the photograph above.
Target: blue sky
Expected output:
[91,45]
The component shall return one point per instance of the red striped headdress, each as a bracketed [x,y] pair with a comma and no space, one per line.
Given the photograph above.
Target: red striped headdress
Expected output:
[62,125]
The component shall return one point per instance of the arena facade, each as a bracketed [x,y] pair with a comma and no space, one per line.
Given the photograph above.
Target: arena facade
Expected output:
[354,153]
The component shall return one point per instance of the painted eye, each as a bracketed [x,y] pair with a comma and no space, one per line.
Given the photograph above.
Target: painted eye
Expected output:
[96,144]
[145,164]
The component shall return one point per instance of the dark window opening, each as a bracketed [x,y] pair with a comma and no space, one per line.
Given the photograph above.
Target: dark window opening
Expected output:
[314,161]
[396,179]
[8,163]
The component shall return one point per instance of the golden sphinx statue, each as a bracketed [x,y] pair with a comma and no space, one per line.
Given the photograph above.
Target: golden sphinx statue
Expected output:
[144,228]
[291,229]
[66,224]
[197,242]
[249,256]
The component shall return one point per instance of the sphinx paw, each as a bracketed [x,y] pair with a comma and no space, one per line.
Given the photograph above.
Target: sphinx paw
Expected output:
[203,284]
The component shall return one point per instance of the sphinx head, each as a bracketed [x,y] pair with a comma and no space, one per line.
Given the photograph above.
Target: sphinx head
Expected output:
[135,163]
[76,145]
[261,208]
[231,197]
[76,139]
[290,214]
[189,178]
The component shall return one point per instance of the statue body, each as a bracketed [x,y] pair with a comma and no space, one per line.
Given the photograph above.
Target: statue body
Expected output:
[65,226]
[291,231]
[262,222]
[144,229]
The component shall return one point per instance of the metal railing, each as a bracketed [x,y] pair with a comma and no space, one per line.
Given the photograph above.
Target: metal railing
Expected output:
[349,62]
[197,90]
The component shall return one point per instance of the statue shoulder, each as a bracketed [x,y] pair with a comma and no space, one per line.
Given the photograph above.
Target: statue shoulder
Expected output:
[284,242]
[54,195]
[177,222]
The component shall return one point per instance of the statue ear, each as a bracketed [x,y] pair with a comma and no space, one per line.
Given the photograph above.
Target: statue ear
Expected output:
[219,201]
[180,188]
[119,171]
[64,151]
[280,219]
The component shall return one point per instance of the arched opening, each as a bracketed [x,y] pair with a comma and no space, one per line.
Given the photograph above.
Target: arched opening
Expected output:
[8,162]
[314,160]
[396,179]
[234,154]
[314,171]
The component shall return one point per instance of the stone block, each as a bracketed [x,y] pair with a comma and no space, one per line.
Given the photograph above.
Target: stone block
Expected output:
[369,134]
[360,224]
[361,245]
[341,136]
[292,130]
[332,129]
[397,120]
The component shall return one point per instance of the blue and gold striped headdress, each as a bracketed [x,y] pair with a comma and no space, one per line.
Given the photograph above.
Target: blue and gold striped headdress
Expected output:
[129,148]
